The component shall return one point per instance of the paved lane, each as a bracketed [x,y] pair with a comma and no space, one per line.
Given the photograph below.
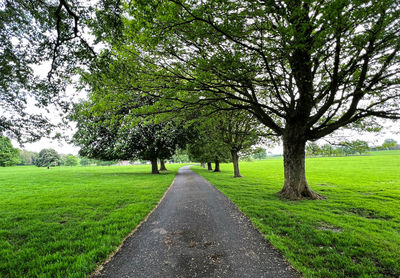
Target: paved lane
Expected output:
[196,232]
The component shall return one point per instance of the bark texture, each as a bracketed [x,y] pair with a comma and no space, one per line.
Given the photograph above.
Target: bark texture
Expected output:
[216,169]
[235,161]
[154,166]
[162,165]
[295,186]
[209,166]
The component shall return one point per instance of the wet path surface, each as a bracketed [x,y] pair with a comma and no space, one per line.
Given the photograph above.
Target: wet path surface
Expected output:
[196,232]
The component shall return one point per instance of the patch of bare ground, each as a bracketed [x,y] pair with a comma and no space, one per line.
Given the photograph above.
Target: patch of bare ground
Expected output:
[328,227]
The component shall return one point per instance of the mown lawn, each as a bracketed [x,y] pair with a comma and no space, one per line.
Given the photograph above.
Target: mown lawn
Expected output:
[355,232]
[62,222]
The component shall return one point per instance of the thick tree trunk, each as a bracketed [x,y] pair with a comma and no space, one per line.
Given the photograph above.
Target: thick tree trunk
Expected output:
[235,161]
[202,164]
[209,166]
[162,165]
[216,168]
[154,167]
[295,186]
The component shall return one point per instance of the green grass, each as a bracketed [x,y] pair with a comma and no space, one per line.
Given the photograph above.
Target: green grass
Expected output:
[62,222]
[355,232]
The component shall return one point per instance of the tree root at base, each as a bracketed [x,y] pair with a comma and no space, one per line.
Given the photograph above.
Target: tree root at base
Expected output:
[306,194]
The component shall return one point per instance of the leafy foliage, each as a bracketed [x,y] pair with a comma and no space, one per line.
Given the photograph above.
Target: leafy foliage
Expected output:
[207,145]
[324,65]
[27,157]
[180,156]
[115,136]
[71,160]
[84,161]
[340,149]
[206,149]
[51,34]
[9,155]
[389,144]
[259,153]
[48,158]
[357,146]
[304,69]
[232,132]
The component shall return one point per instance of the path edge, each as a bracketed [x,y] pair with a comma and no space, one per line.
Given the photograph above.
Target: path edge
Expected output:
[100,267]
[254,226]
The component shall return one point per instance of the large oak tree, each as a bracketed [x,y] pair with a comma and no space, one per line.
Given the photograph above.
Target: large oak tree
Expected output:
[304,69]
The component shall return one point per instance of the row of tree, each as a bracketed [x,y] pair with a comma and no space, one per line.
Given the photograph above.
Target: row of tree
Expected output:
[389,144]
[341,149]
[10,156]
[209,136]
[348,148]
[302,68]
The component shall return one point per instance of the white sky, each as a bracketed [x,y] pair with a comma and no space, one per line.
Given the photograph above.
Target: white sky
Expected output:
[60,147]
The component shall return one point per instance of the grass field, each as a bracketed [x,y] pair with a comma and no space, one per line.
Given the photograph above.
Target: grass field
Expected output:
[62,222]
[355,232]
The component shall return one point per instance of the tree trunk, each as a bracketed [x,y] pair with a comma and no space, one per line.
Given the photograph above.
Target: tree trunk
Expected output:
[209,166]
[295,186]
[202,165]
[235,161]
[162,165]
[216,169]
[154,167]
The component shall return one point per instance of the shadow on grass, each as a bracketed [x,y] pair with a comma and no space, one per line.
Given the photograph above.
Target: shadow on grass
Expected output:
[138,174]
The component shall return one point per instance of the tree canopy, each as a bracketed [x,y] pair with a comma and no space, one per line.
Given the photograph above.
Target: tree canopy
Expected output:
[71,160]
[338,149]
[207,148]
[389,144]
[9,156]
[117,136]
[58,36]
[224,135]
[48,158]
[304,69]
[27,157]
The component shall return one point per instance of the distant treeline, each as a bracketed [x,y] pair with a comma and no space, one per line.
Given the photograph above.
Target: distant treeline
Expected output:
[10,156]
[345,148]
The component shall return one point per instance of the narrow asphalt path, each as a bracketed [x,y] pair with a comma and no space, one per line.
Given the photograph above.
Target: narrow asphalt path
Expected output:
[196,232]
